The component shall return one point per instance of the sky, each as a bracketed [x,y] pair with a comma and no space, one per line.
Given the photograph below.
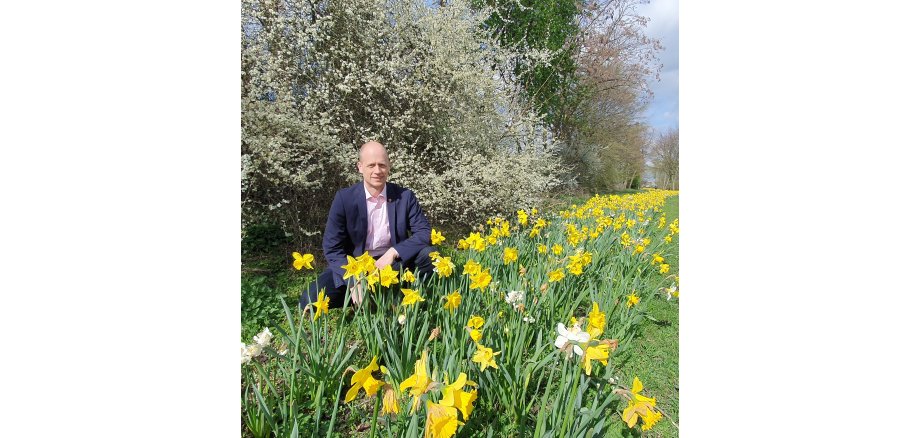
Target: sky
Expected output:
[663,112]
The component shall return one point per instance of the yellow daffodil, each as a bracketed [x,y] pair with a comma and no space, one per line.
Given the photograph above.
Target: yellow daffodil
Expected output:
[436,237]
[373,279]
[475,335]
[364,379]
[485,357]
[388,276]
[556,275]
[664,268]
[639,249]
[596,321]
[455,396]
[417,383]
[408,277]
[472,267]
[522,217]
[667,238]
[353,268]
[657,258]
[441,421]
[390,401]
[640,406]
[505,231]
[599,352]
[322,304]
[434,256]
[411,297]
[481,280]
[475,322]
[302,261]
[557,249]
[541,248]
[444,267]
[510,255]
[452,301]
[367,263]
[632,300]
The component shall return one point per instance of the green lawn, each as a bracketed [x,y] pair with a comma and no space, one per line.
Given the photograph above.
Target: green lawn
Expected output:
[654,352]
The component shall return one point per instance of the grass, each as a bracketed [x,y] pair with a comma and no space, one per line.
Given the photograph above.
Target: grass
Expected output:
[652,356]
[654,353]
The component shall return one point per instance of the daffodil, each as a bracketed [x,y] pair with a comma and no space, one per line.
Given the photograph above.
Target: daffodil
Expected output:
[631,300]
[367,263]
[390,400]
[444,267]
[596,321]
[353,268]
[322,304]
[657,258]
[455,396]
[599,351]
[541,248]
[664,268]
[388,276]
[485,357]
[408,277]
[302,261]
[364,379]
[475,322]
[522,217]
[556,275]
[452,301]
[557,249]
[640,406]
[481,280]
[441,421]
[436,237]
[411,297]
[417,383]
[570,340]
[475,335]
[472,267]
[509,255]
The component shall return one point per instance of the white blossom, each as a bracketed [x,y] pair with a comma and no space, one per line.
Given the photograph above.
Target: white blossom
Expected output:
[572,338]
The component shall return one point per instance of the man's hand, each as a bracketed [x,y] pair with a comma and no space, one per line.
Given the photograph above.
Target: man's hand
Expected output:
[386,259]
[357,293]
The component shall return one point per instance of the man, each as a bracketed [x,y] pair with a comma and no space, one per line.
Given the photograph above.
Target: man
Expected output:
[381,218]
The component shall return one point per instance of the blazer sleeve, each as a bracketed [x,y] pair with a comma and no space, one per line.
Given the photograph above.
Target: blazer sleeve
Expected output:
[334,239]
[418,225]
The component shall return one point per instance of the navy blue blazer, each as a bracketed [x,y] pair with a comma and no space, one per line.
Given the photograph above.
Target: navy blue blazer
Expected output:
[346,228]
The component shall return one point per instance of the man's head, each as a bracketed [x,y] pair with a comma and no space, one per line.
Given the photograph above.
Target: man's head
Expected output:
[374,165]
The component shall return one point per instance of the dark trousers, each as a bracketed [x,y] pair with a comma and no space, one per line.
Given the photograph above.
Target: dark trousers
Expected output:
[420,265]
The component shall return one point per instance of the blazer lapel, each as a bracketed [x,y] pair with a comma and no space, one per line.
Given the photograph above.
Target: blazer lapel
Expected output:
[361,206]
[392,202]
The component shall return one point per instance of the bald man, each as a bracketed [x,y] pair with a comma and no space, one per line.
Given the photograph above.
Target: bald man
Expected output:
[381,218]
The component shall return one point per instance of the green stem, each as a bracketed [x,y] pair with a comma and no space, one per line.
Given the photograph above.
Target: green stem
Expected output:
[335,410]
[376,411]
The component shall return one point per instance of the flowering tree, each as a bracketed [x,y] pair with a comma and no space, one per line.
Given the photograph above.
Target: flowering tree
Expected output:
[320,78]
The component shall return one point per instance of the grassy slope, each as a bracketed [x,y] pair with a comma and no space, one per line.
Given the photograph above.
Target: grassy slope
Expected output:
[654,355]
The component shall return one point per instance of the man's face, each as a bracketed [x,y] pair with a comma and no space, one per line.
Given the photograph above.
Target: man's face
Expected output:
[374,166]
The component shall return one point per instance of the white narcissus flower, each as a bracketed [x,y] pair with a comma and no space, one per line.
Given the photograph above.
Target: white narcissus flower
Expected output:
[529,319]
[254,350]
[515,296]
[571,338]
[245,356]
[263,338]
[401,319]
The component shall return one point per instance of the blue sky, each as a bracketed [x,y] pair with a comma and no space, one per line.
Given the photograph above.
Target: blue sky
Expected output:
[663,112]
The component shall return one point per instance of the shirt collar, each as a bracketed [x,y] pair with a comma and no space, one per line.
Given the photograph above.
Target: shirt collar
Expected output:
[367,194]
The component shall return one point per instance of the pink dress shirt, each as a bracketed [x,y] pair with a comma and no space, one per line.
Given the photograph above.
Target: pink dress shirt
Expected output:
[378,224]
